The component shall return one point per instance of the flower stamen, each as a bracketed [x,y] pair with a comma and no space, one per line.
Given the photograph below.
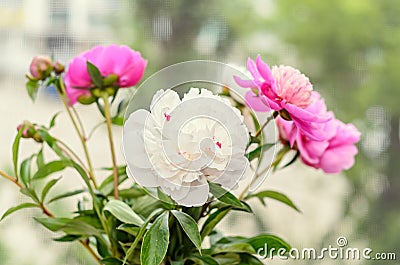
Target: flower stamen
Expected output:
[167,116]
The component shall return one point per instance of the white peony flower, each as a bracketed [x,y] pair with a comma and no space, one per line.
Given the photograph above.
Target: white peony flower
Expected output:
[182,144]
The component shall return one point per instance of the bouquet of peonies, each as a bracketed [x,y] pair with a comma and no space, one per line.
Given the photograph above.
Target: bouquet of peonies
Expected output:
[185,154]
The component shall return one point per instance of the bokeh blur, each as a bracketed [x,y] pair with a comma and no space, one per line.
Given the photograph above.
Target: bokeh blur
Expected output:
[349,49]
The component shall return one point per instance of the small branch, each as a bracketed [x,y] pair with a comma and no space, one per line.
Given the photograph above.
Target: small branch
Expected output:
[86,245]
[107,113]
[94,129]
[46,211]
[14,180]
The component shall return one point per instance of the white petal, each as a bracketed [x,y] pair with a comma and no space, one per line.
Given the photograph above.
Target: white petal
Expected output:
[138,163]
[144,177]
[197,195]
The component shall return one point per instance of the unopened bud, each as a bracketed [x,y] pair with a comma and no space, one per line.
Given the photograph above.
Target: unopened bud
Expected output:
[96,92]
[110,80]
[58,67]
[30,130]
[40,67]
[110,91]
[86,99]
[37,137]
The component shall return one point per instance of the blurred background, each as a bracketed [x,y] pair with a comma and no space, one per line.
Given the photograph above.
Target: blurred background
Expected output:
[349,49]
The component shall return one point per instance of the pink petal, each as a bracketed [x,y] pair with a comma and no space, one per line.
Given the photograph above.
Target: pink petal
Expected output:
[251,66]
[337,159]
[265,71]
[244,83]
[255,103]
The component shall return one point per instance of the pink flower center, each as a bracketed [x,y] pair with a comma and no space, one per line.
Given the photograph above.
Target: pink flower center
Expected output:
[219,144]
[292,86]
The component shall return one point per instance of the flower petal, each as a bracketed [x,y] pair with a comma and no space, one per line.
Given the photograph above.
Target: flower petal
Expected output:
[256,102]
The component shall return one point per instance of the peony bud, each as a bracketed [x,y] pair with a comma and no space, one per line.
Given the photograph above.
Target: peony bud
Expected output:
[110,80]
[110,91]
[41,67]
[58,67]
[30,130]
[86,99]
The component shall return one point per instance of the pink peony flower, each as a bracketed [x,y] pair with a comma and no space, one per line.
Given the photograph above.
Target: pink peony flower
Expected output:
[332,155]
[286,90]
[127,64]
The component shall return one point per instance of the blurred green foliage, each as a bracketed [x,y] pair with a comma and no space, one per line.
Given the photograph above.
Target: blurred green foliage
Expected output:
[351,49]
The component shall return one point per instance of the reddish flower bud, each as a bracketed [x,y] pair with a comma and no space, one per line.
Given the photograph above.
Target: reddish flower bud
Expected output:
[58,67]
[41,67]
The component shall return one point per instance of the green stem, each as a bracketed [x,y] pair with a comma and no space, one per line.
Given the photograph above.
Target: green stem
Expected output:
[258,133]
[69,152]
[270,118]
[107,113]
[78,131]
[83,141]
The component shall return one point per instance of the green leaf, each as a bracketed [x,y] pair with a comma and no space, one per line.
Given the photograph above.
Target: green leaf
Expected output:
[32,87]
[165,199]
[228,259]
[84,176]
[129,228]
[145,205]
[155,241]
[69,226]
[30,193]
[19,207]
[203,259]
[40,159]
[67,238]
[140,233]
[239,247]
[247,259]
[271,241]
[66,195]
[279,156]
[107,186]
[47,188]
[213,220]
[224,195]
[258,151]
[25,170]
[292,160]
[51,142]
[111,261]
[102,248]
[53,120]
[123,212]
[178,262]
[50,168]
[15,149]
[273,195]
[118,120]
[53,224]
[131,193]
[190,227]
[94,74]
